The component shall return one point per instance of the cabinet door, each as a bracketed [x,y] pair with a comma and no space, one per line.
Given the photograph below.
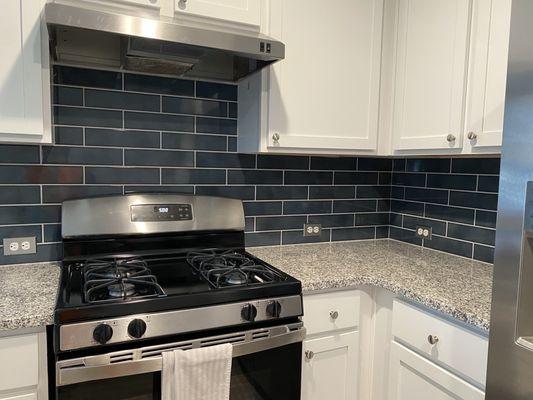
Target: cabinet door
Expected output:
[329,368]
[412,377]
[488,72]
[430,78]
[246,12]
[21,71]
[325,93]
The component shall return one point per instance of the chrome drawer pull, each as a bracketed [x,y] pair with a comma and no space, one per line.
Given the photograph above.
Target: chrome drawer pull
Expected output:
[432,339]
[334,314]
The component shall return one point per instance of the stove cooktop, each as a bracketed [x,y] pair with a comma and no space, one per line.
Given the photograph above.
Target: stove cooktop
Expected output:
[107,287]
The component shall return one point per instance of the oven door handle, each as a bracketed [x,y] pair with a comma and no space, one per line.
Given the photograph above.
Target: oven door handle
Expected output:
[133,362]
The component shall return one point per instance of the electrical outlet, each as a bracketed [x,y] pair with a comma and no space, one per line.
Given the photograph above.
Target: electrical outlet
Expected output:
[16,246]
[312,229]
[424,232]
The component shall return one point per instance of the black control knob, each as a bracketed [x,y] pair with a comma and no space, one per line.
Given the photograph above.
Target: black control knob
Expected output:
[136,328]
[249,312]
[274,309]
[102,333]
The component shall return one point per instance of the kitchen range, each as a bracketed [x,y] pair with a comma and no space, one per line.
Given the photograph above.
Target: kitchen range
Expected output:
[146,274]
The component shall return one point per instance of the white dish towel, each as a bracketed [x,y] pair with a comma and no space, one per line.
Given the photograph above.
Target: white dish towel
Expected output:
[197,374]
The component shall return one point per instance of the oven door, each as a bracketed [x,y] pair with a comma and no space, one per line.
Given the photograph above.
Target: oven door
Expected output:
[266,365]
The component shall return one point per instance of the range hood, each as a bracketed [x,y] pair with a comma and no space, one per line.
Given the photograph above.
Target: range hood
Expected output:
[102,37]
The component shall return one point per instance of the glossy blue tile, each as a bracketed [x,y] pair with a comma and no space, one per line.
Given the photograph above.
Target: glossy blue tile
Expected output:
[117,175]
[193,176]
[281,192]
[262,208]
[262,239]
[428,165]
[225,160]
[19,154]
[332,220]
[69,96]
[255,177]
[279,223]
[68,135]
[158,158]
[359,233]
[87,77]
[179,105]
[20,195]
[308,178]
[16,215]
[307,207]
[158,122]
[282,162]
[81,155]
[60,193]
[332,192]
[121,138]
[14,231]
[122,100]
[193,141]
[216,126]
[158,84]
[235,192]
[87,117]
[219,91]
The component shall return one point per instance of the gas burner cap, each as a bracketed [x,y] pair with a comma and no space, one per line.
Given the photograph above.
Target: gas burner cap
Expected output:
[121,290]
[235,278]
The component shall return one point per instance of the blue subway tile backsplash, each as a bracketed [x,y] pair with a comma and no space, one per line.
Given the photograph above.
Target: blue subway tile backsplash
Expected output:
[118,133]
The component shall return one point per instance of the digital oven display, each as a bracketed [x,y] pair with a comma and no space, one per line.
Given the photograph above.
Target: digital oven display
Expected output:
[161,212]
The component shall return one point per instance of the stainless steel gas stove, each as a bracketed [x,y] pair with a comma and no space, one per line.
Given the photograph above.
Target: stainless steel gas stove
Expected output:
[144,274]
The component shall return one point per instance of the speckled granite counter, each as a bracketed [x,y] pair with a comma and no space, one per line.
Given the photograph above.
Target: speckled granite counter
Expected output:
[456,286]
[27,295]
[453,285]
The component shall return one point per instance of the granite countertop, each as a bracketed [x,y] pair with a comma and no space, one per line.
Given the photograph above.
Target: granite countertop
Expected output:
[27,295]
[453,285]
[456,286]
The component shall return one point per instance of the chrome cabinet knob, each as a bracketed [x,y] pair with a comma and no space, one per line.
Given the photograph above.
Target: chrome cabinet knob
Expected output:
[450,138]
[432,339]
[472,135]
[334,314]
[309,355]
[275,137]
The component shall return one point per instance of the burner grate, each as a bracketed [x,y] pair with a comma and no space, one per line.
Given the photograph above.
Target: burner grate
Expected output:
[230,269]
[110,280]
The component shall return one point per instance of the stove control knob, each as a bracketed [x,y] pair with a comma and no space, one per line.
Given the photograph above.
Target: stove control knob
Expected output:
[274,309]
[249,312]
[102,333]
[137,328]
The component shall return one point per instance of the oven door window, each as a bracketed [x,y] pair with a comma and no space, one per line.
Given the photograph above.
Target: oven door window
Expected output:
[268,375]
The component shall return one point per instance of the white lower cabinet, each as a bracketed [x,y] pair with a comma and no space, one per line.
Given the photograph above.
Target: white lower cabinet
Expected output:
[329,367]
[30,396]
[331,355]
[413,377]
[23,373]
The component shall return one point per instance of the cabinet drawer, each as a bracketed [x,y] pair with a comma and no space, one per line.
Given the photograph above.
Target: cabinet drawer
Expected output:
[29,396]
[460,349]
[18,353]
[320,309]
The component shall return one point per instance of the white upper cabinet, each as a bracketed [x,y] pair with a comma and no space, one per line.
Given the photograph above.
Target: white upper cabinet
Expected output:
[24,73]
[245,12]
[487,74]
[324,96]
[430,74]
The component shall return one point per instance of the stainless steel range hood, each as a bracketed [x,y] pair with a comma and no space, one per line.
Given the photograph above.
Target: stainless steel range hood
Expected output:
[109,38]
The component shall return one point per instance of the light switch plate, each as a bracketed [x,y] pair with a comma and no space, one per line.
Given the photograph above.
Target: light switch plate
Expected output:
[17,246]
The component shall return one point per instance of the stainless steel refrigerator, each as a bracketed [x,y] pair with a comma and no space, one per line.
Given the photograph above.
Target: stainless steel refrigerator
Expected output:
[510,366]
